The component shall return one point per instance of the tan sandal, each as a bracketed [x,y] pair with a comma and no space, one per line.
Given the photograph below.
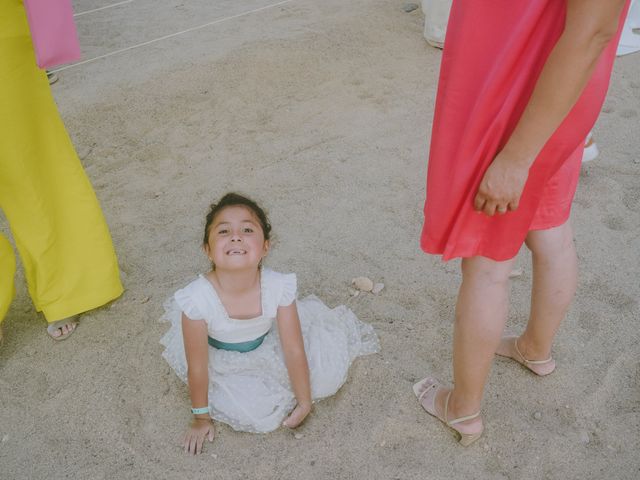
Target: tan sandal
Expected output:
[532,365]
[426,391]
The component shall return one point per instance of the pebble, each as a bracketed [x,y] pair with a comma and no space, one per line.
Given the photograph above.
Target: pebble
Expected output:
[353,292]
[377,288]
[145,299]
[410,7]
[584,437]
[537,415]
[409,326]
[363,284]
[384,442]
[213,455]
[5,438]
[298,436]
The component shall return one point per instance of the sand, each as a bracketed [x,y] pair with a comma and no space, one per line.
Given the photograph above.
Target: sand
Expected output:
[321,111]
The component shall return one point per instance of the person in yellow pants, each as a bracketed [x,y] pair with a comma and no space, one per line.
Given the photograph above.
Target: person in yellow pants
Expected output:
[55,219]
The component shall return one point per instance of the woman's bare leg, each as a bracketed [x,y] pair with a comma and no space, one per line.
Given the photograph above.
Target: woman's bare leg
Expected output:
[555,273]
[481,313]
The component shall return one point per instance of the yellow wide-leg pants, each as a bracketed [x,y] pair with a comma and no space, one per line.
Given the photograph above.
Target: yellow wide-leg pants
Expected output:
[53,213]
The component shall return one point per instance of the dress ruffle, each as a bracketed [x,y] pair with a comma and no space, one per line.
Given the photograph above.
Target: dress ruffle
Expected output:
[289,289]
[251,391]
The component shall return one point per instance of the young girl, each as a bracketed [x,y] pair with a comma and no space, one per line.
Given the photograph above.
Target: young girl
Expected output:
[239,369]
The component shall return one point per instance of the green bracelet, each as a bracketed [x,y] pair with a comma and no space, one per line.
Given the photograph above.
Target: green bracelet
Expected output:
[200,411]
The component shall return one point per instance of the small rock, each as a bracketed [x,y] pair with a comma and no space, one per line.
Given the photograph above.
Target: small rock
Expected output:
[515,273]
[537,415]
[410,7]
[213,455]
[145,299]
[377,288]
[485,447]
[384,442]
[353,292]
[363,284]
[409,326]
[298,436]
[584,437]
[5,438]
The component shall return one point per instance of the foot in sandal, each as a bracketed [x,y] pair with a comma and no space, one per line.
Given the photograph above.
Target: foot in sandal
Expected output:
[62,329]
[434,398]
[509,348]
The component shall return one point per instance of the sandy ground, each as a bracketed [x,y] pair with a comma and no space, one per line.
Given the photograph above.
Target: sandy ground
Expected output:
[322,111]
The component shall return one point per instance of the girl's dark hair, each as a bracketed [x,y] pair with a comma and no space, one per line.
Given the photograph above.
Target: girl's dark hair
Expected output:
[232,200]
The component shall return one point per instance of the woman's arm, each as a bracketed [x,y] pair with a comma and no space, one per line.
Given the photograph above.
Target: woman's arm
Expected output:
[590,25]
[296,361]
[196,347]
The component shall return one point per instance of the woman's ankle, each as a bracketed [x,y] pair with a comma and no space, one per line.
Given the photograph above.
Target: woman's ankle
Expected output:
[461,406]
[532,351]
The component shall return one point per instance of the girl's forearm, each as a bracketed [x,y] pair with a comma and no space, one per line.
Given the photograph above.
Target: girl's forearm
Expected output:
[296,362]
[198,380]
[563,78]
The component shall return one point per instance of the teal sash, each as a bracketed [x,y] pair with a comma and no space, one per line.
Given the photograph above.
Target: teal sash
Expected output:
[237,347]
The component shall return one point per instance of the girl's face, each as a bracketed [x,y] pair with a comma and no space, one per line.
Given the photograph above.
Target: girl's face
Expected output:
[236,239]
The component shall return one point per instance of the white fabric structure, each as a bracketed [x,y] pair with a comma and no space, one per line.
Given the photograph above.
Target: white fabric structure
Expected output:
[250,391]
[436,17]
[630,40]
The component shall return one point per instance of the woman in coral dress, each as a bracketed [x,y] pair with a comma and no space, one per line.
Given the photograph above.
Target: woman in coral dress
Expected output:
[521,84]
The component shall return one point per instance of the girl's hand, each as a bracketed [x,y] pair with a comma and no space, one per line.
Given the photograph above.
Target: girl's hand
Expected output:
[501,186]
[298,415]
[194,437]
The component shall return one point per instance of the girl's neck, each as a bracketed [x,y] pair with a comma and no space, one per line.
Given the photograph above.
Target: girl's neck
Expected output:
[235,281]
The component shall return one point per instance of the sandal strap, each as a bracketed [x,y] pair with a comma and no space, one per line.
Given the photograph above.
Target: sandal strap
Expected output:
[530,362]
[463,419]
[456,420]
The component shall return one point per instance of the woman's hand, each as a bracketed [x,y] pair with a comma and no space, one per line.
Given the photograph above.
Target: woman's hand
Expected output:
[501,186]
[199,429]
[298,415]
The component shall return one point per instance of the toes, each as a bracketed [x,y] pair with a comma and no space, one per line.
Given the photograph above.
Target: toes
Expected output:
[61,328]
[55,332]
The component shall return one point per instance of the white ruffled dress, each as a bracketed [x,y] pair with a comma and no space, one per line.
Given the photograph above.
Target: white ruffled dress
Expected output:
[250,391]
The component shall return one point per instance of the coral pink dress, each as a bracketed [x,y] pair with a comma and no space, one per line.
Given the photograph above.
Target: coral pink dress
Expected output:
[494,52]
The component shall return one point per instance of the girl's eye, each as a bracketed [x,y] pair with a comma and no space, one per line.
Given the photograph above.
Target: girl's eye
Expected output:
[222,232]
[248,230]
